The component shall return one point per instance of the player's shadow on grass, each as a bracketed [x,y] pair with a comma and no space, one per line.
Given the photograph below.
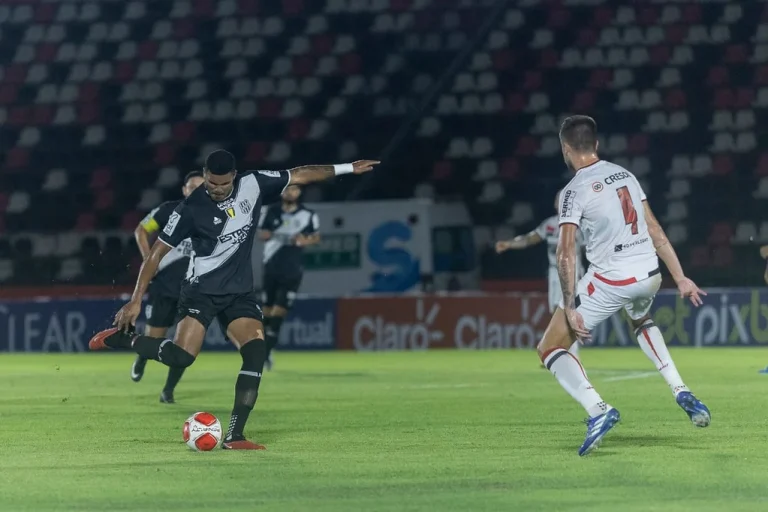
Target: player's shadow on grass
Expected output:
[612,443]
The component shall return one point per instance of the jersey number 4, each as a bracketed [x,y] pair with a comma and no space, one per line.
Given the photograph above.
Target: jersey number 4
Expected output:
[630,214]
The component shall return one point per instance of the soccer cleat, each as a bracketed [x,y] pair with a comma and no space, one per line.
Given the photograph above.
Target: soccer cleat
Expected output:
[166,397]
[764,370]
[111,338]
[696,411]
[597,427]
[241,444]
[137,368]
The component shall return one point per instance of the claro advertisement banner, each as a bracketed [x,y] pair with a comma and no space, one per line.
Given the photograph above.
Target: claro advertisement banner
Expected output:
[67,325]
[421,323]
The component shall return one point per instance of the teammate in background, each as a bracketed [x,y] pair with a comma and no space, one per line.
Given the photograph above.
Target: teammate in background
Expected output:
[287,228]
[547,231]
[624,242]
[219,218]
[166,285]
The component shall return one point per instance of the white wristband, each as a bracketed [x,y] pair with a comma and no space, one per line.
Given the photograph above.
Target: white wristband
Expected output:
[343,169]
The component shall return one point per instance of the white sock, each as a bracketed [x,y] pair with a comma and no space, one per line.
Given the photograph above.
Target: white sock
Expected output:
[569,373]
[652,342]
[575,346]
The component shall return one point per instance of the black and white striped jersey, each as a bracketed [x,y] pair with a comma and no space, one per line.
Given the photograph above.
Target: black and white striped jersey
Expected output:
[281,254]
[173,266]
[222,232]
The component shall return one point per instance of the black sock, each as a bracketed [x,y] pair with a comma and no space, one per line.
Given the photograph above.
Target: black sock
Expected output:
[174,376]
[247,386]
[272,325]
[162,350]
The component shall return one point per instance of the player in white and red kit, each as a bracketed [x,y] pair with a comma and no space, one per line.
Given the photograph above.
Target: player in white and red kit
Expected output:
[548,231]
[623,240]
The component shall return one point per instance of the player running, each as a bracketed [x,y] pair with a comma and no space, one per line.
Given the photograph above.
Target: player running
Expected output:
[166,285]
[218,217]
[547,231]
[287,228]
[624,241]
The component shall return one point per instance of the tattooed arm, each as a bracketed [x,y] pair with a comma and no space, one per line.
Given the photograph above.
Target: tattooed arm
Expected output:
[311,173]
[566,264]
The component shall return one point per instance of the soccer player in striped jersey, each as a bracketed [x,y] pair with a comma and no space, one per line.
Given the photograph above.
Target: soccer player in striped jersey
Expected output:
[165,288]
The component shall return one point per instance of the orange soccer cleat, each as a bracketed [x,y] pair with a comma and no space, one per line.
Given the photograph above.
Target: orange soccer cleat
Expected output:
[242,444]
[111,338]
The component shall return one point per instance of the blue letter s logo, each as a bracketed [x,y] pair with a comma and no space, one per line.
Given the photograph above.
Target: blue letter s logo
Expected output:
[406,275]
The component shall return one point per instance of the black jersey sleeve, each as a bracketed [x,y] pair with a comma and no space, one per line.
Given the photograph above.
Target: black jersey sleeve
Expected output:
[272,184]
[162,213]
[272,218]
[179,226]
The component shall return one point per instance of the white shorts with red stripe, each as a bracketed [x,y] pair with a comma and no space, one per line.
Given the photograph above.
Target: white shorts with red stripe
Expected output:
[597,298]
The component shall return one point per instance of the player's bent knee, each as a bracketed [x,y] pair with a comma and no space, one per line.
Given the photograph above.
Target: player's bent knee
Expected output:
[556,336]
[644,323]
[254,353]
[173,355]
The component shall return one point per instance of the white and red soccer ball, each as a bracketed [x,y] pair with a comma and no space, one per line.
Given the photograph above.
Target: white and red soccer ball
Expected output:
[202,432]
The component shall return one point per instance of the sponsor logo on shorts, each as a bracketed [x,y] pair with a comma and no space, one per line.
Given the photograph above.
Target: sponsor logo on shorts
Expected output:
[148,311]
[194,311]
[597,186]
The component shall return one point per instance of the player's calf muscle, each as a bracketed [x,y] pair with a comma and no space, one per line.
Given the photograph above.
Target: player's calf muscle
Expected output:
[557,335]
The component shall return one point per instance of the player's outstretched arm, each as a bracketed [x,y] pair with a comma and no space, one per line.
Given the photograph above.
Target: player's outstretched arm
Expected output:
[519,242]
[312,173]
[668,255]
[128,314]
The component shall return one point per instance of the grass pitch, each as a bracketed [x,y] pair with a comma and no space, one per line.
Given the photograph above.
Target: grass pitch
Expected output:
[394,431]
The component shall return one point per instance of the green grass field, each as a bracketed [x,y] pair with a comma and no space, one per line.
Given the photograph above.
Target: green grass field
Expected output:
[394,431]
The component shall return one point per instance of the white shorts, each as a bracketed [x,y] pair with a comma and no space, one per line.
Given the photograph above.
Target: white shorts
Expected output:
[597,299]
[555,292]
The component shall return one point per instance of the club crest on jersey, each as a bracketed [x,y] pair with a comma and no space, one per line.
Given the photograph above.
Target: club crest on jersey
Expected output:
[245,206]
[230,212]
[597,186]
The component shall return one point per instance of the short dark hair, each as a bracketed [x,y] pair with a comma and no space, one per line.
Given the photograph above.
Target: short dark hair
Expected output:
[220,162]
[193,174]
[579,132]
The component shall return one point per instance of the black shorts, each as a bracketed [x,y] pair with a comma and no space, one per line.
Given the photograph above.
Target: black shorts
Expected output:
[161,311]
[280,290]
[226,308]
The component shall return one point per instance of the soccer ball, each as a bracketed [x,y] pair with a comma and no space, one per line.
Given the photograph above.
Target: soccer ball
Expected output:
[202,432]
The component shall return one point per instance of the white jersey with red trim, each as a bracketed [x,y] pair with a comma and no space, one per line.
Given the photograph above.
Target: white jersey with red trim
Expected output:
[606,202]
[549,231]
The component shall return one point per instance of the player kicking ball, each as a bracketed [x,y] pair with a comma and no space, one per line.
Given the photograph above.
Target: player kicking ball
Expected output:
[624,241]
[548,231]
[219,217]
[164,289]
[287,228]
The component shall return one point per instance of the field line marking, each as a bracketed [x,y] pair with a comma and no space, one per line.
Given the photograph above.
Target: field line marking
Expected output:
[631,376]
